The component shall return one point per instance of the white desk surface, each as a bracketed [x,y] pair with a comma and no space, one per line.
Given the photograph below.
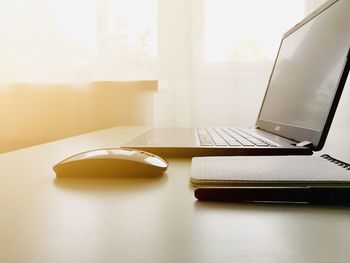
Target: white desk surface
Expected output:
[151,220]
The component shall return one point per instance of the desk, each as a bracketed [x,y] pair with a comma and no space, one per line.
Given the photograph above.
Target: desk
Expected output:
[151,220]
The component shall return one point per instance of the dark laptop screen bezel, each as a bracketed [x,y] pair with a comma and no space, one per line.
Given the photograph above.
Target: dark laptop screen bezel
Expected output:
[299,134]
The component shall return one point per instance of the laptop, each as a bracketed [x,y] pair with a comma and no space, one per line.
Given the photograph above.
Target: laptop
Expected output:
[301,98]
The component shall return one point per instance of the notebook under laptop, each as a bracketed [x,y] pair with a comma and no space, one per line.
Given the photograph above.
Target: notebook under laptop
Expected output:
[302,95]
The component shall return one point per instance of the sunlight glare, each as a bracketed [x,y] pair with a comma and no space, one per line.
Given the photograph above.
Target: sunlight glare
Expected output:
[76,20]
[250,29]
[136,22]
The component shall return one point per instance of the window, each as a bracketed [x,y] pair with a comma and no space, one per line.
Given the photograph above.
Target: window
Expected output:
[77,40]
[249,30]
[133,23]
[80,20]
[76,22]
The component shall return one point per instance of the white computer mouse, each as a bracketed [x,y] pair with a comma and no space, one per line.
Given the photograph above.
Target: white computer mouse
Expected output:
[113,162]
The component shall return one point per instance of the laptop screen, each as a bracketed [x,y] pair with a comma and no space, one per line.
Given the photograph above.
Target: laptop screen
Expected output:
[308,76]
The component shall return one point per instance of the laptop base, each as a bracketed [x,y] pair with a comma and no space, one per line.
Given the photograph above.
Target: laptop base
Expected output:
[183,142]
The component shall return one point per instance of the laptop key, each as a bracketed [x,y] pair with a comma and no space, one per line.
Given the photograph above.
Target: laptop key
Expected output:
[261,144]
[204,138]
[258,142]
[234,143]
[206,143]
[246,143]
[220,143]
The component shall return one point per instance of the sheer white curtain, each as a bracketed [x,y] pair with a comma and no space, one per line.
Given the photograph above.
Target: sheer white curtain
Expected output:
[77,40]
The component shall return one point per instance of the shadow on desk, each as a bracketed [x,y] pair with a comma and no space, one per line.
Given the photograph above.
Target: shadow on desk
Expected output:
[94,184]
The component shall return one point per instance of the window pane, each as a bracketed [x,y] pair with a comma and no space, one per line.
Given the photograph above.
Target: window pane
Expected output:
[133,24]
[243,30]
[76,22]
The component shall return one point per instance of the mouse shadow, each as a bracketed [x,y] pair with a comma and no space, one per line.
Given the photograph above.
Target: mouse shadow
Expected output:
[109,184]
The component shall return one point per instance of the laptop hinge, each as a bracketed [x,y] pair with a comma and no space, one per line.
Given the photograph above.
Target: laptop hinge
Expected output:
[304,144]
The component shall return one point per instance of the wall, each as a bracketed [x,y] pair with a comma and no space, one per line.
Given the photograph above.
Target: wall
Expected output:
[33,114]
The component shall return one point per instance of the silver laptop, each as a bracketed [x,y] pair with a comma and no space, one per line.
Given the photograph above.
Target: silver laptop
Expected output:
[301,98]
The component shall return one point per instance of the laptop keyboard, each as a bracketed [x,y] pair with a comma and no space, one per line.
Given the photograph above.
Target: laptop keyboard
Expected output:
[230,137]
